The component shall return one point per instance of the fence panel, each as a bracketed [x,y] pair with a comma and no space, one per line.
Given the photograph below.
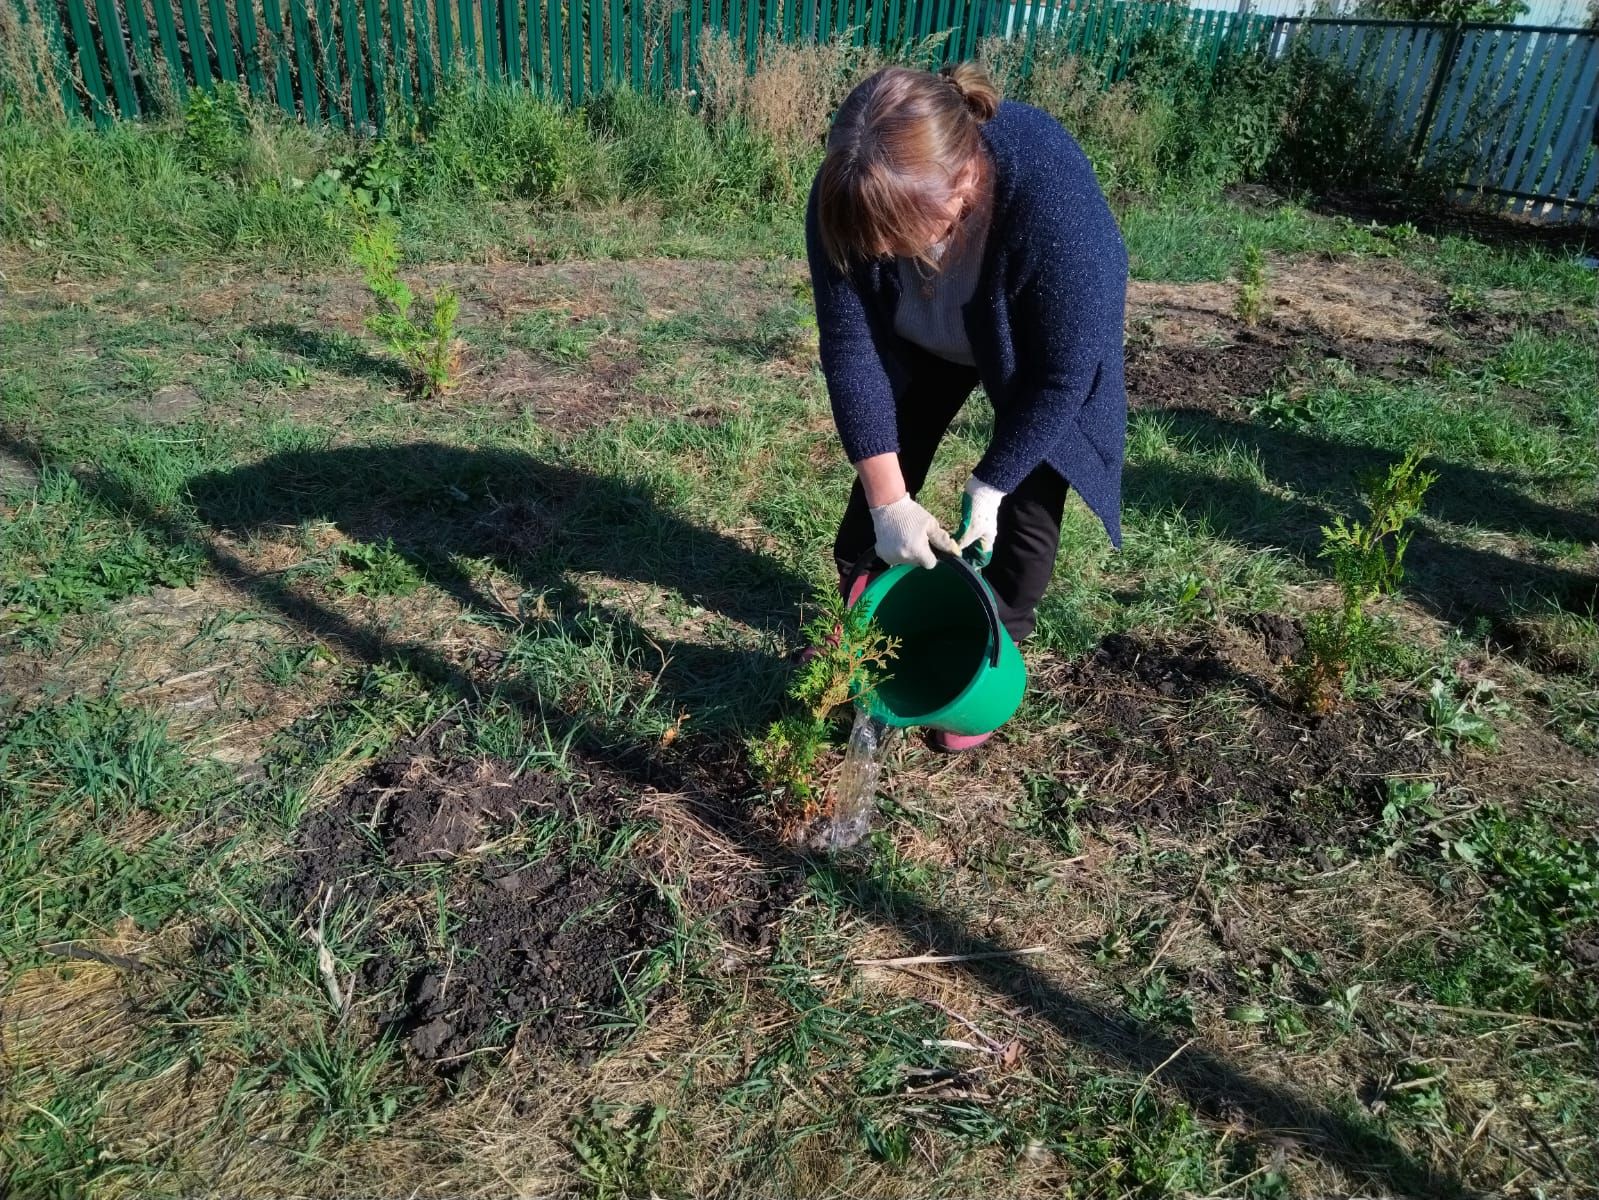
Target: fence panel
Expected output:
[1561,125]
[1515,106]
[1577,140]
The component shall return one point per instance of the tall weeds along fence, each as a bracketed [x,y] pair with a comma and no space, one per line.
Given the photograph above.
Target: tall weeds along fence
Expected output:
[1514,110]
[350,62]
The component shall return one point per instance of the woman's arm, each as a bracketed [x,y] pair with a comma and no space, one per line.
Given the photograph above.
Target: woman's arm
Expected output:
[858,385]
[881,479]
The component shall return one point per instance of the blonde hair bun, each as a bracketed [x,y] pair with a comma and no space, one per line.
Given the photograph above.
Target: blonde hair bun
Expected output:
[975,87]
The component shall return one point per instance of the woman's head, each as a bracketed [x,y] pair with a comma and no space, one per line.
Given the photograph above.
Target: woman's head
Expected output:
[904,163]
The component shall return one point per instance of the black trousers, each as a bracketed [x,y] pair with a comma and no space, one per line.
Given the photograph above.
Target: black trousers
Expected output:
[1029,518]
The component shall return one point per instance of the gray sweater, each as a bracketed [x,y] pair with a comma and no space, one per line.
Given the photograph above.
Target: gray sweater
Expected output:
[929,312]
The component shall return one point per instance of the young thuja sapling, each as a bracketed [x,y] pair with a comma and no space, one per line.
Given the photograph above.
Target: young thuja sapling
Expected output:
[428,348]
[1251,303]
[850,658]
[1367,561]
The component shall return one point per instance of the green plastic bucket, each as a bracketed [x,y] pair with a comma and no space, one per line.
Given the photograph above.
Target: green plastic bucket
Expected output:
[957,669]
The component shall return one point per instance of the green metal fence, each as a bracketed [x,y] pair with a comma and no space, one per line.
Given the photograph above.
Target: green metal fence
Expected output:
[353,62]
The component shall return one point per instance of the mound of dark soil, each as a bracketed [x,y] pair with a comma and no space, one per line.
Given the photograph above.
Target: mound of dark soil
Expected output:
[479,936]
[1215,379]
[542,953]
[497,909]
[1281,637]
[1295,780]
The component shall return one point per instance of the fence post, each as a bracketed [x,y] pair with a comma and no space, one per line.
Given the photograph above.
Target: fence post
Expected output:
[1446,64]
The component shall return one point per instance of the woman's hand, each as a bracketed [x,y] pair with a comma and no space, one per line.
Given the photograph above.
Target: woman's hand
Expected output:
[908,533]
[980,517]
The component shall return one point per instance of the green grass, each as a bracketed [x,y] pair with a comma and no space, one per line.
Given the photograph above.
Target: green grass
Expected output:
[102,809]
[63,553]
[1186,238]
[499,172]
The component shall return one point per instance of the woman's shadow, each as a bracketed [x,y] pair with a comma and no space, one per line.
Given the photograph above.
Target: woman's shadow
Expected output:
[589,555]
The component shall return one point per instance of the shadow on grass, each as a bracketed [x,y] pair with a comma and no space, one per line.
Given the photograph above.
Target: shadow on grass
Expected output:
[333,351]
[1442,218]
[540,521]
[446,508]
[1455,581]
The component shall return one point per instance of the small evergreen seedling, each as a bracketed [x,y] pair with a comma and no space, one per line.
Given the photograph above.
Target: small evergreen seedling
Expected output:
[852,657]
[430,348]
[1251,305]
[1367,561]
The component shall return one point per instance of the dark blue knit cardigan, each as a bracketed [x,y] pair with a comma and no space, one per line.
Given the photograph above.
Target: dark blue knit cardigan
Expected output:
[1045,323]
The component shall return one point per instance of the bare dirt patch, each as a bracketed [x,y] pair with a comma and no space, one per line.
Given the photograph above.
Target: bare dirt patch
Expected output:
[1218,379]
[1354,300]
[1187,348]
[563,400]
[170,405]
[542,891]
[190,652]
[17,473]
[540,939]
[1182,736]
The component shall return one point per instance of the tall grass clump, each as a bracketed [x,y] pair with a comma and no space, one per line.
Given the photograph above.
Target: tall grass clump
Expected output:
[103,199]
[27,67]
[1120,135]
[1173,120]
[790,99]
[222,175]
[662,150]
[506,144]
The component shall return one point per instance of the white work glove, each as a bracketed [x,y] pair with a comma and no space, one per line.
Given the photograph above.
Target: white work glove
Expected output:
[908,533]
[980,517]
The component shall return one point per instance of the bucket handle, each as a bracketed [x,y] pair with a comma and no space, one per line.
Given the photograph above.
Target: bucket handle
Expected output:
[974,580]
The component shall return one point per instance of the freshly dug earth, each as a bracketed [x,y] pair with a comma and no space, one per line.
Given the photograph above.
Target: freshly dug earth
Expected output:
[1194,737]
[537,938]
[1225,379]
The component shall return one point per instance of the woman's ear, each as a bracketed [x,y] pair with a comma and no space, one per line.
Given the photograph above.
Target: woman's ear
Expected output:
[969,182]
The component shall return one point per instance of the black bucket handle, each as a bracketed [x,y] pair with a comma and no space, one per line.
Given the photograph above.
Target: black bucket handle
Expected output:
[974,580]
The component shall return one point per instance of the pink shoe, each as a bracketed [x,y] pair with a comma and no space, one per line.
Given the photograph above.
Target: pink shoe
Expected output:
[862,582]
[958,743]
